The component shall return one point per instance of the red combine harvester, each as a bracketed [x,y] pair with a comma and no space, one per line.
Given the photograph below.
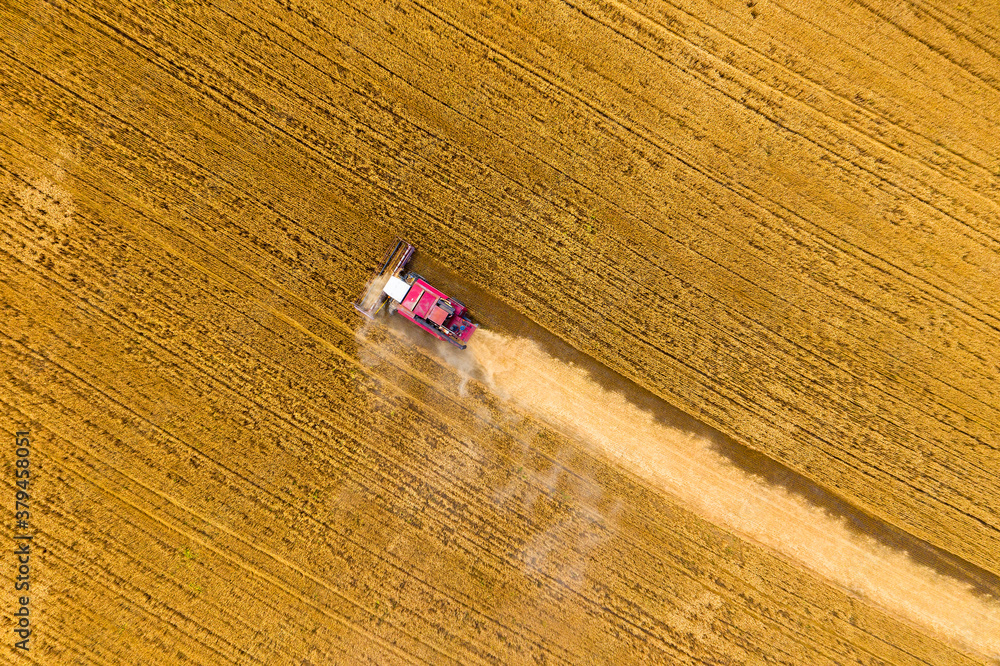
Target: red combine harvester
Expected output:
[414,298]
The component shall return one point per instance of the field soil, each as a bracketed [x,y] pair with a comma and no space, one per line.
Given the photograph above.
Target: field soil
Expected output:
[780,218]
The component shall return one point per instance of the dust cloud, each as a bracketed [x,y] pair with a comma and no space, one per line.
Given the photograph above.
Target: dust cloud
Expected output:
[687,467]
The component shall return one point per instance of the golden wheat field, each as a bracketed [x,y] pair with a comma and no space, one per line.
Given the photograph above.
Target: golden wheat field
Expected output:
[735,398]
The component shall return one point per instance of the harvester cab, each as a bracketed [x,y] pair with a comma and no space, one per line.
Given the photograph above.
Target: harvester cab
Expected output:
[412,297]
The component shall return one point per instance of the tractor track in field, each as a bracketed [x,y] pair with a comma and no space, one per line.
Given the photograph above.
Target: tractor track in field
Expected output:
[692,469]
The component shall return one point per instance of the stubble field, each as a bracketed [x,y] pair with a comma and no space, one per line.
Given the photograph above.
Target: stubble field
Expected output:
[780,217]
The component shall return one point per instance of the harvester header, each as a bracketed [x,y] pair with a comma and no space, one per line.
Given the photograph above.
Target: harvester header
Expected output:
[411,296]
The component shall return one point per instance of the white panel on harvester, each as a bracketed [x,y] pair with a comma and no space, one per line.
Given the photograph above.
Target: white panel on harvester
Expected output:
[396,289]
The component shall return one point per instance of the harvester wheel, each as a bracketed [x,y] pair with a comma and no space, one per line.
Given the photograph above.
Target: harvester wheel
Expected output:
[391,307]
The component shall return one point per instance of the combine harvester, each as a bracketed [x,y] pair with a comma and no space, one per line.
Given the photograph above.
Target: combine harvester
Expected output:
[415,299]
